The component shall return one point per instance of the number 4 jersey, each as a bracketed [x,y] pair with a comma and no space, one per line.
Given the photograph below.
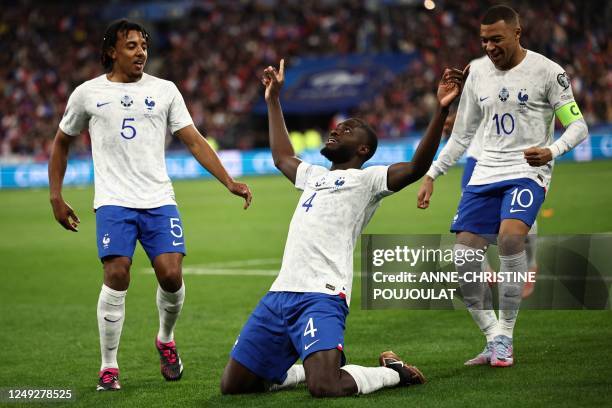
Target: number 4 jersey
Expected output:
[128,123]
[332,211]
[517,110]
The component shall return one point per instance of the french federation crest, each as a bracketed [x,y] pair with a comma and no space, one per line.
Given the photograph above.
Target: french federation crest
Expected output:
[339,183]
[504,94]
[523,98]
[127,101]
[563,80]
[150,103]
[106,241]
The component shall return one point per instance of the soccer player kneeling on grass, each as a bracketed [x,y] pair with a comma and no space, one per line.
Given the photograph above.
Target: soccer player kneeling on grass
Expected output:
[128,113]
[303,315]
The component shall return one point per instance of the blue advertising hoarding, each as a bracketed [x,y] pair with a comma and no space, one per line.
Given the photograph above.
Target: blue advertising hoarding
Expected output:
[258,162]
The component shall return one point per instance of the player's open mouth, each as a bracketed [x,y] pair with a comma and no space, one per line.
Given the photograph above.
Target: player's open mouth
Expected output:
[331,140]
[139,64]
[495,55]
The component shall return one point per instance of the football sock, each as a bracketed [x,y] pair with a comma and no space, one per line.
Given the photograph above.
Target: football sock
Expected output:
[111,314]
[476,295]
[370,379]
[510,292]
[169,305]
[295,376]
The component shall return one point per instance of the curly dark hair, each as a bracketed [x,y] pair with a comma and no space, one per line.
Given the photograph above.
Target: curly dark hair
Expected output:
[110,39]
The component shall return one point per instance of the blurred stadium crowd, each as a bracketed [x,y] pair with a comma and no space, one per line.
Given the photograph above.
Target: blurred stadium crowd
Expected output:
[216,52]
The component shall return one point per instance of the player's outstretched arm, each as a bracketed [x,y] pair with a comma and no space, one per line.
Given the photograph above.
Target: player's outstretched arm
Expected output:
[402,174]
[282,152]
[64,214]
[206,156]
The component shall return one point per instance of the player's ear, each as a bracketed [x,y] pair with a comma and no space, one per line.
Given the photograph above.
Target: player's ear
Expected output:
[517,32]
[363,150]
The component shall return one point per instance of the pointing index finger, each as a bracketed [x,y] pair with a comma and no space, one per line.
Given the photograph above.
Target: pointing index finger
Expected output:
[282,68]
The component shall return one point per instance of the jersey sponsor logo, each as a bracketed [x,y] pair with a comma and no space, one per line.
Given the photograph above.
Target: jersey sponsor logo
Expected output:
[307,346]
[127,101]
[483,99]
[563,80]
[330,287]
[100,104]
[504,94]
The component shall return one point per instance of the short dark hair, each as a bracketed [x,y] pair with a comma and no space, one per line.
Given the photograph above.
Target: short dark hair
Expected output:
[110,39]
[372,139]
[500,12]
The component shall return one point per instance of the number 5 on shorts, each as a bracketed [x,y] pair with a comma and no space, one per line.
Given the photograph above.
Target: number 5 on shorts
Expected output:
[175,228]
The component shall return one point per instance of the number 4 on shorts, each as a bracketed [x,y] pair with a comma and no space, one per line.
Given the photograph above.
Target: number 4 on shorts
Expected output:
[310,329]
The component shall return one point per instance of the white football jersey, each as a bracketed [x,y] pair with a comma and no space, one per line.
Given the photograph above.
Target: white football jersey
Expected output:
[127,123]
[517,110]
[475,147]
[335,206]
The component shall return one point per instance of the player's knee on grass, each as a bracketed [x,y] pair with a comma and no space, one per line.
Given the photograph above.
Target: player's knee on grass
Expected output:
[117,272]
[237,379]
[324,377]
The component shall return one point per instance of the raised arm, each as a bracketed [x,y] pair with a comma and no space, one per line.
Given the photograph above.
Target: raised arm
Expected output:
[400,175]
[282,152]
[206,156]
[64,214]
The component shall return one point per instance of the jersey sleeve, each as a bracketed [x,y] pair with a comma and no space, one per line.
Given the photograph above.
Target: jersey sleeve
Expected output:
[467,121]
[377,181]
[560,96]
[75,118]
[178,115]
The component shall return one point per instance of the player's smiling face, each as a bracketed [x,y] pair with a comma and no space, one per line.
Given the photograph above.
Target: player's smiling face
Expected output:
[345,142]
[130,54]
[500,41]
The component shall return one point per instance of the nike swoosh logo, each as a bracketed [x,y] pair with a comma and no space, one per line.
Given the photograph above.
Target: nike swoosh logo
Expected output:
[306,347]
[102,104]
[111,321]
[174,243]
[512,210]
[482,99]
[170,311]
[111,348]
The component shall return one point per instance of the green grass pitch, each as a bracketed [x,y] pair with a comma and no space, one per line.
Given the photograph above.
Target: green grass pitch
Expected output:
[51,280]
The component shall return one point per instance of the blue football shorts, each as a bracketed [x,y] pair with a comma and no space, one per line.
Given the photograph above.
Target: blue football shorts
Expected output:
[287,326]
[159,231]
[483,207]
[468,169]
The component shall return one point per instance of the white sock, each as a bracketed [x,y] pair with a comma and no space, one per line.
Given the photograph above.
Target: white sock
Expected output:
[477,296]
[510,292]
[295,375]
[370,379]
[169,305]
[111,314]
